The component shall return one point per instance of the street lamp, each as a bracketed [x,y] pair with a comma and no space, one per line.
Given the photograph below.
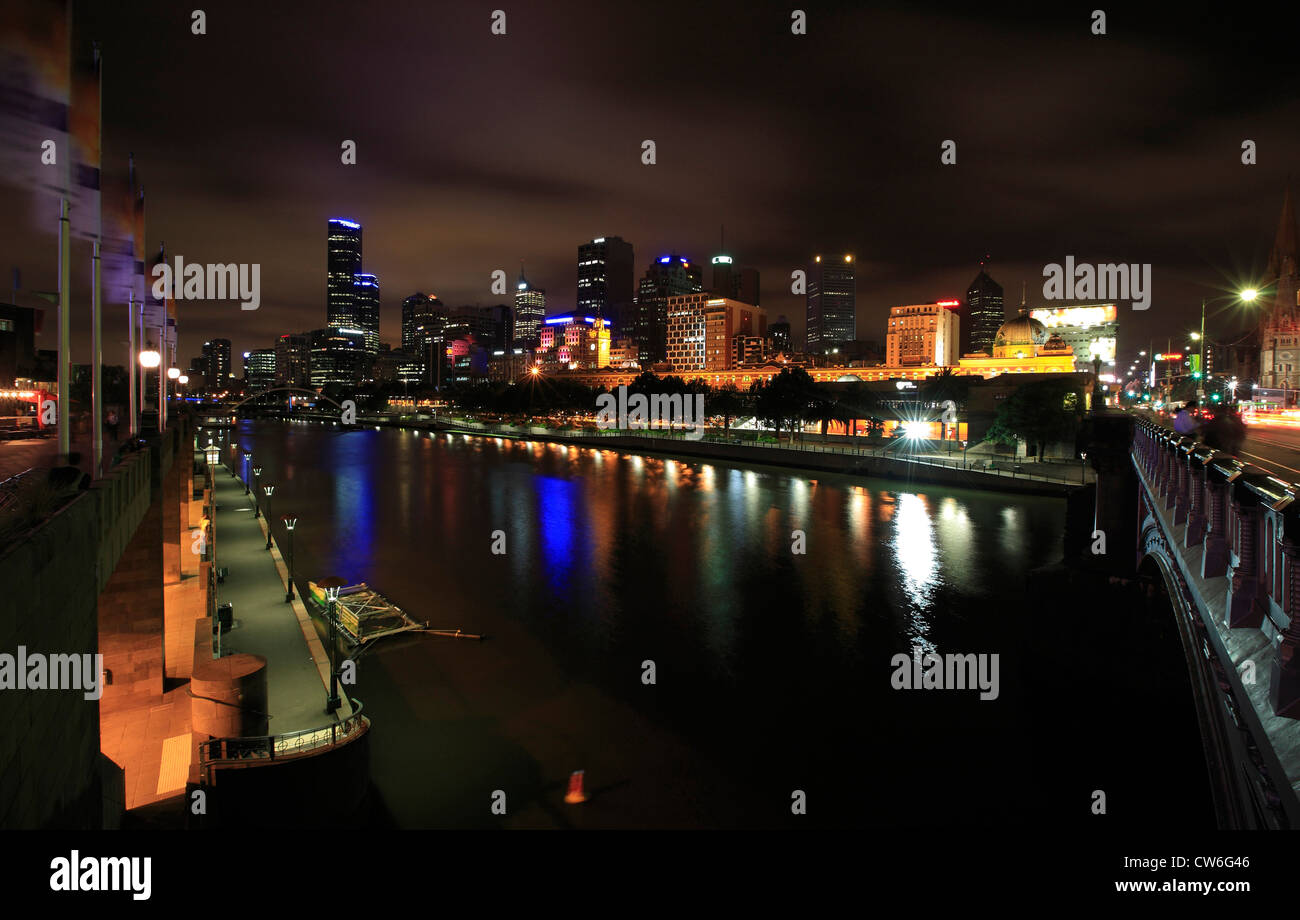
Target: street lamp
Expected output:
[331,588]
[1083,469]
[1246,296]
[257,475]
[270,490]
[290,522]
[963,455]
[173,373]
[150,358]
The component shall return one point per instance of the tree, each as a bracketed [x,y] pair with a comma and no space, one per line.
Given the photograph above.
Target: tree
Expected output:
[727,402]
[784,398]
[1039,413]
[943,386]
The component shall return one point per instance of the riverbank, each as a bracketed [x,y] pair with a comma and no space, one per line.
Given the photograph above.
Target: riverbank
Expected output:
[871,462]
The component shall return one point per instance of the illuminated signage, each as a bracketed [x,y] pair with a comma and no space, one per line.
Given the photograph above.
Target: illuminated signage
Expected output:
[1171,356]
[948,303]
[1076,316]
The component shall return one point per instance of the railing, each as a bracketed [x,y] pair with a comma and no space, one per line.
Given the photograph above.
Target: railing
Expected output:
[217,752]
[10,487]
[1068,473]
[1246,525]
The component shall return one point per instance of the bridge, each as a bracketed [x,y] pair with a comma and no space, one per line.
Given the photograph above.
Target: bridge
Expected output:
[1221,538]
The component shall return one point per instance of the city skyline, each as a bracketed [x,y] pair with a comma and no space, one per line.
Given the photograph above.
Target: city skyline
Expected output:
[443,222]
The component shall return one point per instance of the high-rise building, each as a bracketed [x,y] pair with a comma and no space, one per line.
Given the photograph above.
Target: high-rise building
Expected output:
[832,303]
[421,313]
[293,360]
[666,277]
[702,329]
[260,373]
[735,282]
[337,356]
[984,314]
[365,294]
[530,311]
[779,335]
[343,263]
[606,285]
[216,357]
[923,335]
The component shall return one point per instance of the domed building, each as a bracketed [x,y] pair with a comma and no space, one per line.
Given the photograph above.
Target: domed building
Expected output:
[1021,337]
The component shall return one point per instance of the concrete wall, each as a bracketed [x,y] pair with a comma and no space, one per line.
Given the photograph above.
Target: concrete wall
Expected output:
[50,771]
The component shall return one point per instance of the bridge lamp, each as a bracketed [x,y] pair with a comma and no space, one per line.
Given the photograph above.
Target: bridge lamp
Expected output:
[173,373]
[150,358]
[183,379]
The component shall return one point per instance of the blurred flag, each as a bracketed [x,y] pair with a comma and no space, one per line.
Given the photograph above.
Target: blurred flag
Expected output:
[35,92]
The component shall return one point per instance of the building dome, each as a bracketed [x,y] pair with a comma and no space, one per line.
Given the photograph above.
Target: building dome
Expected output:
[1056,343]
[1019,337]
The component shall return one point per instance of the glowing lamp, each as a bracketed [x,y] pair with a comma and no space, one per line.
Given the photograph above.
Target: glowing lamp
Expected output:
[149,359]
[173,373]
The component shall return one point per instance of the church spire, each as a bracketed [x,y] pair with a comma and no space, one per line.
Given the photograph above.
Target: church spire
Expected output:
[1283,274]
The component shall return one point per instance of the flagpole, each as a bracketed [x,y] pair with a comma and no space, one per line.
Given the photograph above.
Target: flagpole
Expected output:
[96,295]
[97,368]
[65,303]
[132,424]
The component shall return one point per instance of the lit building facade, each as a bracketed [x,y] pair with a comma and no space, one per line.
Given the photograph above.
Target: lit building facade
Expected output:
[260,369]
[701,329]
[337,356]
[667,276]
[216,363]
[530,312]
[831,303]
[575,342]
[923,335]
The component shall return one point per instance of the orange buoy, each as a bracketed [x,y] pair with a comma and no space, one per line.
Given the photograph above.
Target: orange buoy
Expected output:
[575,793]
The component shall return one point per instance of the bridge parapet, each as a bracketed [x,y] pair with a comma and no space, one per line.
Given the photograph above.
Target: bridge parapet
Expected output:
[1247,525]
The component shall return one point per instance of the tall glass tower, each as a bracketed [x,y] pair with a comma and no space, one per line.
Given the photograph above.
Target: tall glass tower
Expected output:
[365,294]
[985,313]
[343,262]
[832,303]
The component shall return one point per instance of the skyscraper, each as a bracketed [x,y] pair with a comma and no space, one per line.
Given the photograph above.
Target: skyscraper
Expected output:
[343,262]
[832,303]
[984,314]
[667,276]
[530,311]
[216,356]
[605,283]
[424,322]
[735,282]
[365,295]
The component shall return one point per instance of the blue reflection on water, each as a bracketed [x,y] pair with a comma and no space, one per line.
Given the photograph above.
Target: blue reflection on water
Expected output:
[557,501]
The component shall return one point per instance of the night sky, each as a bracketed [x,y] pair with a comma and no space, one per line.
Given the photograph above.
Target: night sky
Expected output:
[476,151]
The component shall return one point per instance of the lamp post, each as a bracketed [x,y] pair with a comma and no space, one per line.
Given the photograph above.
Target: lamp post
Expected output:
[257,475]
[331,588]
[290,522]
[963,454]
[270,490]
[1083,469]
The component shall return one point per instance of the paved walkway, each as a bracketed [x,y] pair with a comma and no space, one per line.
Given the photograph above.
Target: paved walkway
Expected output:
[297,666]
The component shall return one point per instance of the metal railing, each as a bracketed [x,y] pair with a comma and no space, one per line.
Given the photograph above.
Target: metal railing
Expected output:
[217,752]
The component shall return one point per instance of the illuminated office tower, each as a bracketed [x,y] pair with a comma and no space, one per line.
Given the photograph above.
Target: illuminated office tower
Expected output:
[343,264]
[832,303]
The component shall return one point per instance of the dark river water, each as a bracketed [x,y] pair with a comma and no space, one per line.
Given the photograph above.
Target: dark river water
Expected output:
[772,669]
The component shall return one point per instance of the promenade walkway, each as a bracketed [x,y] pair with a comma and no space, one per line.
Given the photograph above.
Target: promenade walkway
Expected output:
[282,633]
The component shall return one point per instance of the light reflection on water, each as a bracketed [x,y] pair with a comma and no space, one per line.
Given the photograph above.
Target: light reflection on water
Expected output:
[609,554]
